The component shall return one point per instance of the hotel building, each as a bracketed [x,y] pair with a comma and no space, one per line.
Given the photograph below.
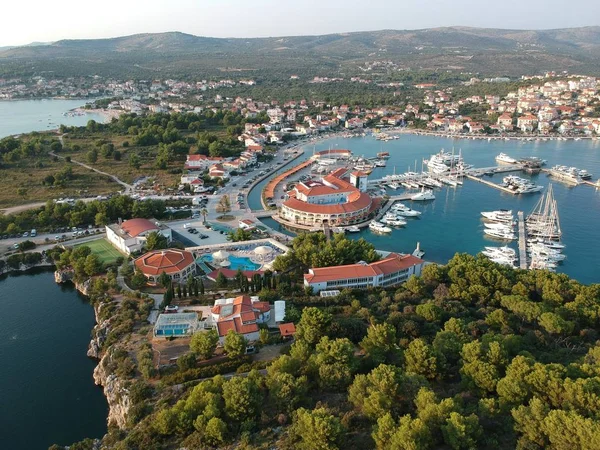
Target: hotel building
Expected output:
[334,200]
[392,270]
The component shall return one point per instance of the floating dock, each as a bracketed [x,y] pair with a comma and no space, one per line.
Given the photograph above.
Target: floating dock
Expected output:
[489,183]
[522,241]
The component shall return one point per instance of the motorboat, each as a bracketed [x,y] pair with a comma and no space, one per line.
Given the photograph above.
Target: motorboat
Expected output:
[353,229]
[395,222]
[380,163]
[504,158]
[338,230]
[424,195]
[499,226]
[378,227]
[404,211]
[500,234]
[383,155]
[501,215]
[393,185]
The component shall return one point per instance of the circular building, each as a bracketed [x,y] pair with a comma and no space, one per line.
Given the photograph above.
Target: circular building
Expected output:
[334,199]
[177,264]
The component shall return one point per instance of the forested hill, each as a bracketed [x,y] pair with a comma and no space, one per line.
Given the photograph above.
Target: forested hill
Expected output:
[483,50]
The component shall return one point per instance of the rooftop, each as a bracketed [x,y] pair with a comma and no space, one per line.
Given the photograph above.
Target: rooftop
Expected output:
[392,263]
[168,261]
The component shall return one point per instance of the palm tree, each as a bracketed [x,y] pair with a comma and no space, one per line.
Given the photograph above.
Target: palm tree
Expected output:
[204,212]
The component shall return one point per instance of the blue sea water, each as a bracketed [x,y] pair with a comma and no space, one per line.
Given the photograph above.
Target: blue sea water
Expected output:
[23,116]
[47,391]
[452,222]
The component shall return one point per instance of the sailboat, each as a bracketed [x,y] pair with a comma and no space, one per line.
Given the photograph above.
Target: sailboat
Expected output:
[544,222]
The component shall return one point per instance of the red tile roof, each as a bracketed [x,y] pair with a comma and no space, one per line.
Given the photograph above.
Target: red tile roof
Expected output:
[392,263]
[287,329]
[134,227]
[360,201]
[169,261]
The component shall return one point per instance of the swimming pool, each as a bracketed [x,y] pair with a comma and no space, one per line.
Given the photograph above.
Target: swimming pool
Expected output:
[236,262]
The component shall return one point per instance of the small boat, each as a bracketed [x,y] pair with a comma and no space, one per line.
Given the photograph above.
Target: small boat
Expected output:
[378,227]
[424,195]
[383,155]
[500,234]
[353,229]
[395,222]
[393,185]
[405,211]
[504,158]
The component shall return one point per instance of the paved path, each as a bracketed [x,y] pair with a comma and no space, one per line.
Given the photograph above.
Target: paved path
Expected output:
[128,187]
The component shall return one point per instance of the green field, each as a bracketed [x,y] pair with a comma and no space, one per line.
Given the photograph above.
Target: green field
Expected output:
[106,252]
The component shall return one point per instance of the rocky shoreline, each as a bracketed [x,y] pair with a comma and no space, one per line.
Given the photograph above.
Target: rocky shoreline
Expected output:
[117,395]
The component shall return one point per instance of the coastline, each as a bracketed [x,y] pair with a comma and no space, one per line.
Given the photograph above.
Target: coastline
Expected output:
[491,137]
[107,114]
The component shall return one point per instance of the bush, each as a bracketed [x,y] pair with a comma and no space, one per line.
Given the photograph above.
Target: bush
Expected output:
[221,368]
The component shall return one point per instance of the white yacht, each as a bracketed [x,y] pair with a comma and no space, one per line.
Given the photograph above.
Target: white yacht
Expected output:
[500,234]
[394,221]
[504,158]
[404,211]
[424,195]
[393,185]
[499,226]
[501,215]
[378,227]
[380,163]
[353,229]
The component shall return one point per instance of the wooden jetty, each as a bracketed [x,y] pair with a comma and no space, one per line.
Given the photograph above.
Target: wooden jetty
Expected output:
[522,241]
[489,183]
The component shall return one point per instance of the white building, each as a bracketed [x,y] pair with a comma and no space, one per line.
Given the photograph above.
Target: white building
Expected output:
[130,236]
[392,270]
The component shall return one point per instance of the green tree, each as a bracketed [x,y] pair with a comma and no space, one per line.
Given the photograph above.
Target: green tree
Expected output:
[92,156]
[204,343]
[221,281]
[381,344]
[126,270]
[93,265]
[315,430]
[313,325]
[164,280]
[138,280]
[384,390]
[156,241]
[242,398]
[462,432]
[215,432]
[135,161]
[421,359]
[335,363]
[235,344]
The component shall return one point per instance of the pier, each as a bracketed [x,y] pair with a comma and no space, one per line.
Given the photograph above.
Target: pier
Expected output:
[522,241]
[489,183]
[393,199]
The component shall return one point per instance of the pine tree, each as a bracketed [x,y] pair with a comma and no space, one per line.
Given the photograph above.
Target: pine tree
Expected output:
[185,293]
[201,287]
[178,291]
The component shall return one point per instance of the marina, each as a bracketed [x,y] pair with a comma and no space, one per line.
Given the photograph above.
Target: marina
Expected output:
[448,224]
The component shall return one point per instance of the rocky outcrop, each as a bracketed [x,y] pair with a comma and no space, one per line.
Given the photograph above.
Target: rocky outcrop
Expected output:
[84,287]
[115,392]
[62,276]
[99,333]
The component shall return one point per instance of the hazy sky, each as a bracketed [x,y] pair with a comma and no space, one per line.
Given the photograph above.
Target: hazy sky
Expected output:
[25,21]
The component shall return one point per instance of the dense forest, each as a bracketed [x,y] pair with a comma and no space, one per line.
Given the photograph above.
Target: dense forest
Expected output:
[469,355]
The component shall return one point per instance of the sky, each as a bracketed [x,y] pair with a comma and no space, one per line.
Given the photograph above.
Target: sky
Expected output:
[26,21]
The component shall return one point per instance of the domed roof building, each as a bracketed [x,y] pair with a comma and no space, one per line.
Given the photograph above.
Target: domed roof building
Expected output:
[177,264]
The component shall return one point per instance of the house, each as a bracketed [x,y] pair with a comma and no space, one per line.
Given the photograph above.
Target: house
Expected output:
[246,224]
[287,330]
[130,236]
[177,264]
[217,171]
[505,121]
[201,162]
[392,270]
[355,122]
[241,314]
[527,122]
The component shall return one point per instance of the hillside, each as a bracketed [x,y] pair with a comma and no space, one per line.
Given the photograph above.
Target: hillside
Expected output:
[487,51]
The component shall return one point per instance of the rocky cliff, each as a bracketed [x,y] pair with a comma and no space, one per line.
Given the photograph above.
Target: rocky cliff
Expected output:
[115,392]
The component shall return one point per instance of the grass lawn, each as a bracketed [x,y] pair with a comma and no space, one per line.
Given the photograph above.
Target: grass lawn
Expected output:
[106,252]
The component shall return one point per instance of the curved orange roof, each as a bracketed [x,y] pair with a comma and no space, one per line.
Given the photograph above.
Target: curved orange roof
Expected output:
[134,227]
[168,261]
[269,191]
[358,201]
